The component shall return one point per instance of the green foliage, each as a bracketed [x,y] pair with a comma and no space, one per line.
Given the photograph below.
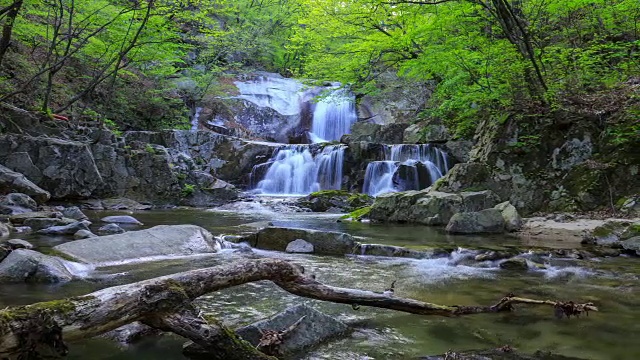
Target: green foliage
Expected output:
[358,214]
[188,190]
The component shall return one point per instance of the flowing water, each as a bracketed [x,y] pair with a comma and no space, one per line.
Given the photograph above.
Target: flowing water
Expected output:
[294,170]
[405,167]
[612,283]
[333,116]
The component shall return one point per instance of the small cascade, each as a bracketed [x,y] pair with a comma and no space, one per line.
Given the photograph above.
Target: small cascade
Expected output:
[196,119]
[333,116]
[294,170]
[405,167]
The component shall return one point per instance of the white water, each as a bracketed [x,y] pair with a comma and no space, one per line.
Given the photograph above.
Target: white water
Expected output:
[196,119]
[406,167]
[294,170]
[333,116]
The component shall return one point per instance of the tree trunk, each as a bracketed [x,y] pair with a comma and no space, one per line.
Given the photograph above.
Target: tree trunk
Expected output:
[165,303]
[12,13]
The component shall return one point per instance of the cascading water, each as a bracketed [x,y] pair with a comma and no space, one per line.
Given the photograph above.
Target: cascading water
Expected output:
[333,116]
[195,120]
[406,167]
[294,170]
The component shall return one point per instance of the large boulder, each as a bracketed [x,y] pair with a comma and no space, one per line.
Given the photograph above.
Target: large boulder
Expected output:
[19,219]
[18,199]
[313,330]
[324,242]
[42,223]
[632,245]
[12,181]
[487,221]
[30,266]
[142,245]
[342,200]
[429,207]
[512,220]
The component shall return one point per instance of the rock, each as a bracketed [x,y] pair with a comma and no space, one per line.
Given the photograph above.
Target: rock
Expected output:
[110,229]
[43,223]
[123,204]
[142,245]
[518,264]
[84,234]
[488,221]
[375,133]
[19,219]
[512,220]
[30,266]
[314,329]
[497,354]
[22,229]
[299,246]
[412,134]
[74,212]
[435,133]
[4,251]
[459,149]
[607,234]
[130,333]
[121,219]
[4,230]
[631,231]
[428,207]
[20,200]
[13,210]
[324,242]
[494,255]
[630,205]
[322,201]
[19,244]
[398,251]
[11,181]
[66,229]
[632,245]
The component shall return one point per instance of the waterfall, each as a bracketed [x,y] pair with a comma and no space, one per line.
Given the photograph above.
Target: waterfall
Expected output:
[196,119]
[333,116]
[405,167]
[273,91]
[294,170]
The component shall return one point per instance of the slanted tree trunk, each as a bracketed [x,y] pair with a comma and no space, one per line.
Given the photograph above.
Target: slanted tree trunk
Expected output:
[165,303]
[11,13]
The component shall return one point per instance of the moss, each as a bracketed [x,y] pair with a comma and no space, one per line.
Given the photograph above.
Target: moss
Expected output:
[358,214]
[60,254]
[32,311]
[328,193]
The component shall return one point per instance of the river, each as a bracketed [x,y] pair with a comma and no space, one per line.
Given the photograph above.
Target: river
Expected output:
[611,283]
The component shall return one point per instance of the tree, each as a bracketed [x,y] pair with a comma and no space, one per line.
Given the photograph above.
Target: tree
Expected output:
[9,14]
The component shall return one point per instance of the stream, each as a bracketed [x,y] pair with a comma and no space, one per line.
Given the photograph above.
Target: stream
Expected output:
[611,283]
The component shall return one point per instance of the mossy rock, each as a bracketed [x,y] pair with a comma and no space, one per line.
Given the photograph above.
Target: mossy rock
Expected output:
[331,200]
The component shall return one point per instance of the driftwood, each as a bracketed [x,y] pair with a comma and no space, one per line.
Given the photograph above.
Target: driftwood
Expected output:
[165,303]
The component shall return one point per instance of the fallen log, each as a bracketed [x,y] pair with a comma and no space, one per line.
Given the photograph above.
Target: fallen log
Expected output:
[165,303]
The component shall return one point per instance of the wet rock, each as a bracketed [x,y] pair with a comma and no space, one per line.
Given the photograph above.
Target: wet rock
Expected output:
[66,229]
[84,234]
[22,229]
[488,221]
[210,191]
[515,264]
[11,181]
[632,245]
[413,134]
[123,204]
[631,231]
[323,201]
[607,234]
[398,251]
[4,230]
[428,207]
[19,219]
[142,245]
[18,199]
[299,246]
[110,229]
[74,212]
[324,242]
[43,223]
[314,329]
[121,219]
[494,255]
[497,354]
[512,220]
[630,205]
[30,266]
[19,244]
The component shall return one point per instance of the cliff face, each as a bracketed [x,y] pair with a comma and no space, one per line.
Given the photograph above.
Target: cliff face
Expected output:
[582,158]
